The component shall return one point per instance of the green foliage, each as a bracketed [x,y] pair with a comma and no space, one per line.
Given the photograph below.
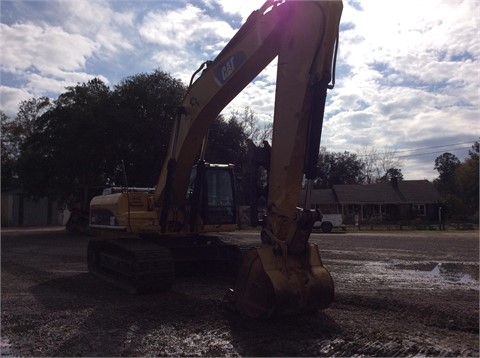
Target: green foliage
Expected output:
[80,140]
[446,164]
[339,168]
[467,183]
[227,143]
[8,152]
[393,174]
[458,182]
[146,106]
[64,150]
[14,134]
[252,127]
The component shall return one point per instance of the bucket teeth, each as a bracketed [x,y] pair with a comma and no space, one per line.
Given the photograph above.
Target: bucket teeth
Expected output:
[270,284]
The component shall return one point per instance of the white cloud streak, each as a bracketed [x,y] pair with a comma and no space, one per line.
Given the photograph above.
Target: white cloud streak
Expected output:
[183,38]
[44,48]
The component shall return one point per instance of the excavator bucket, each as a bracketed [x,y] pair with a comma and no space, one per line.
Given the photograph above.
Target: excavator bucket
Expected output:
[271,284]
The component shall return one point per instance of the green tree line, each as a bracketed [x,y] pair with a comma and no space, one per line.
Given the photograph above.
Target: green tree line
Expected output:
[84,139]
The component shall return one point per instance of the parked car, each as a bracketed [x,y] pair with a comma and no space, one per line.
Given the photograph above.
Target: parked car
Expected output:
[328,222]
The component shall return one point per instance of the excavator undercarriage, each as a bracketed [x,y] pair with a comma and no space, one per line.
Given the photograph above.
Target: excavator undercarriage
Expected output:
[151,265]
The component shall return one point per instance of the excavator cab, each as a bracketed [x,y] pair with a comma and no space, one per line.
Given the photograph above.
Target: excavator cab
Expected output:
[211,195]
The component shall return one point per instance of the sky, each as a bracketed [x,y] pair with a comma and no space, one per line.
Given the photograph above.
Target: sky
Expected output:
[407,78]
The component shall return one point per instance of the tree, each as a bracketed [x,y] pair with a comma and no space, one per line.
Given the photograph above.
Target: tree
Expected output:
[338,168]
[370,158]
[393,175]
[467,183]
[145,109]
[227,143]
[252,126]
[446,164]
[65,151]
[8,152]
[378,163]
[14,133]
[458,182]
[81,140]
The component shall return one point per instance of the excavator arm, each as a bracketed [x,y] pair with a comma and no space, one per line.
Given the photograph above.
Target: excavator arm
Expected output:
[303,34]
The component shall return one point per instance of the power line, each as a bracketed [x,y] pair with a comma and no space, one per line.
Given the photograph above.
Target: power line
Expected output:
[395,152]
[433,147]
[438,151]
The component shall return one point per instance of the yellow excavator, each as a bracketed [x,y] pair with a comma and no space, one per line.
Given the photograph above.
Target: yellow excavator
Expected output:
[144,234]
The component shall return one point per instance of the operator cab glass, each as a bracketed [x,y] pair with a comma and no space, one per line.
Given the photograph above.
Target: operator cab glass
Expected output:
[216,198]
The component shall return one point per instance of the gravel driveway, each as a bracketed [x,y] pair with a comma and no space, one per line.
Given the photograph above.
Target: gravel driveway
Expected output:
[397,294]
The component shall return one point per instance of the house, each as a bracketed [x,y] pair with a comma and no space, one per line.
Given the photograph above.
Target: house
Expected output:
[388,201]
[18,210]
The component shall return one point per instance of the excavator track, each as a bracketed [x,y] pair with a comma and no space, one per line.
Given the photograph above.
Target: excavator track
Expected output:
[151,265]
[133,265]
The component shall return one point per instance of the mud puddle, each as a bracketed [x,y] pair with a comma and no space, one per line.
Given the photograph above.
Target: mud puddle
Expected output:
[422,275]
[453,272]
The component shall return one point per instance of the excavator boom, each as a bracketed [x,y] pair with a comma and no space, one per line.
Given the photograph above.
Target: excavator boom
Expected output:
[303,35]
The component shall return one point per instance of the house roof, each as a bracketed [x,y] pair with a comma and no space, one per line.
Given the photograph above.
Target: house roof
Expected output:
[323,196]
[406,191]
[419,191]
[374,193]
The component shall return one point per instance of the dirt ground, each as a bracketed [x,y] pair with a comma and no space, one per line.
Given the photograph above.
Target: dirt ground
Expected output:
[397,294]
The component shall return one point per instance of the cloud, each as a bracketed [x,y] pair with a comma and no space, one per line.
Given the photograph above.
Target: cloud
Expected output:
[183,38]
[47,49]
[10,98]
[184,29]
[407,72]
[44,60]
[39,85]
[418,40]
[243,8]
[98,21]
